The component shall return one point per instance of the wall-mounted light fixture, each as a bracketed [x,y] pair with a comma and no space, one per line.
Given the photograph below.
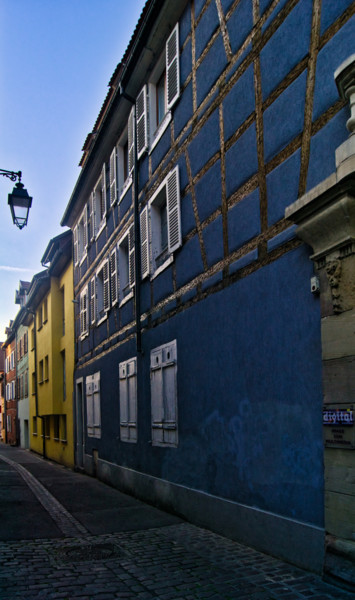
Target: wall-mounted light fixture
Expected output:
[19,200]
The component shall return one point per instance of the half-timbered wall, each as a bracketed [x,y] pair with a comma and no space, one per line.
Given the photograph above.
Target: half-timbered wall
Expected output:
[255,126]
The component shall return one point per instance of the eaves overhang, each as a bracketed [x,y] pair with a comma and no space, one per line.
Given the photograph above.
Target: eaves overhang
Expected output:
[157,19]
[40,285]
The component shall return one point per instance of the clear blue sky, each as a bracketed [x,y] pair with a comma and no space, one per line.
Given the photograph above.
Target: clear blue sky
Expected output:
[56,59]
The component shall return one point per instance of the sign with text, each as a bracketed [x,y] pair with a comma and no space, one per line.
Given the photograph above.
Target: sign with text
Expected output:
[339,430]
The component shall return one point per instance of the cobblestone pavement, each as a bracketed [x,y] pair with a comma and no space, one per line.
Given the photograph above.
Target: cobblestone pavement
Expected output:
[170,562]
[177,562]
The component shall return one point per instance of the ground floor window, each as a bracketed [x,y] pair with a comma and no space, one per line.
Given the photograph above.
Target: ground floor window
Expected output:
[93,408]
[163,371]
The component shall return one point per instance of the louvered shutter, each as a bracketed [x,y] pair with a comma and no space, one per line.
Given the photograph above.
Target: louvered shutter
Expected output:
[85,226]
[103,207]
[131,256]
[83,312]
[93,300]
[144,242]
[172,67]
[106,284]
[75,238]
[173,210]
[92,217]
[130,134]
[89,404]
[113,276]
[113,176]
[142,122]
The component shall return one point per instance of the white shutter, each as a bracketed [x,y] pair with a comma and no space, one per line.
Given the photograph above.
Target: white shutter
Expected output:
[173,210]
[106,284]
[113,176]
[93,300]
[85,225]
[96,403]
[103,192]
[113,276]
[124,431]
[92,216]
[156,390]
[75,239]
[131,256]
[142,121]
[89,404]
[83,312]
[130,133]
[128,400]
[144,227]
[172,67]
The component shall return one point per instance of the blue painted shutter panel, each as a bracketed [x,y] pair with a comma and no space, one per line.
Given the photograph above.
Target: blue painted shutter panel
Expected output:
[173,210]
[142,121]
[172,67]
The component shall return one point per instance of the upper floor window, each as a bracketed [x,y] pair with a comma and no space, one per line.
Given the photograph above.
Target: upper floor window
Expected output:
[126,266]
[102,291]
[98,206]
[84,313]
[160,224]
[156,99]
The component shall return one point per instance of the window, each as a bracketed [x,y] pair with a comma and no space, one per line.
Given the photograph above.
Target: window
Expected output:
[98,206]
[126,266]
[80,236]
[113,276]
[62,310]
[45,311]
[93,410]
[32,339]
[125,157]
[40,371]
[84,330]
[40,318]
[46,368]
[163,370]
[9,423]
[12,360]
[162,235]
[25,342]
[102,291]
[56,427]
[33,384]
[128,400]
[63,428]
[34,425]
[64,382]
[26,383]
[159,96]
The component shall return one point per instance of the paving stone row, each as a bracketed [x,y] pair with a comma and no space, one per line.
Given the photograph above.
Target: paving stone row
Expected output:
[176,562]
[63,519]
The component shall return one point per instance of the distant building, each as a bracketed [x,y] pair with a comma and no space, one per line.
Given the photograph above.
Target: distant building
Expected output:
[2,394]
[198,312]
[51,358]
[10,412]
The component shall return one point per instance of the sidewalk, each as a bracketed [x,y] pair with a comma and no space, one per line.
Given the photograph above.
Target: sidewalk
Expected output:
[103,544]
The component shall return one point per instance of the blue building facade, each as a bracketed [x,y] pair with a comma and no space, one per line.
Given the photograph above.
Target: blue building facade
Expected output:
[198,376]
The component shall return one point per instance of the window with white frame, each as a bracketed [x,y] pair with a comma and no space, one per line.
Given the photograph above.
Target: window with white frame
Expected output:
[98,207]
[126,266]
[102,291]
[84,313]
[160,225]
[128,400]
[156,99]
[163,386]
[93,408]
[12,360]
[113,277]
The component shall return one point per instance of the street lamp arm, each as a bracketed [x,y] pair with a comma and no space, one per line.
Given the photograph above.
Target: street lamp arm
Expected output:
[11,174]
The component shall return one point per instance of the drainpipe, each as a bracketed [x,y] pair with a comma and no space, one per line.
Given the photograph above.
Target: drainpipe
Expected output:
[36,383]
[137,254]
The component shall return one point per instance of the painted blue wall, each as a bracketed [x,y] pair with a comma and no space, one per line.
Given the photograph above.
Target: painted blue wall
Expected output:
[247,330]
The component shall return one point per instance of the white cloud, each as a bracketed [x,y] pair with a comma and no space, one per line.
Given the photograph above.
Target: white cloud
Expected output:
[16,269]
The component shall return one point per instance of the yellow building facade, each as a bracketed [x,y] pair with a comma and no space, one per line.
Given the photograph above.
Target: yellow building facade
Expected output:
[51,357]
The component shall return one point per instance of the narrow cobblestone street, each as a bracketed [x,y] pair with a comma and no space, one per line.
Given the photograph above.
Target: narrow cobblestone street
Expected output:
[154,556]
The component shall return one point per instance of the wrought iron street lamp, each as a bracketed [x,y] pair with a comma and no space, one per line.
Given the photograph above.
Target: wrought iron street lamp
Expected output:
[19,201]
